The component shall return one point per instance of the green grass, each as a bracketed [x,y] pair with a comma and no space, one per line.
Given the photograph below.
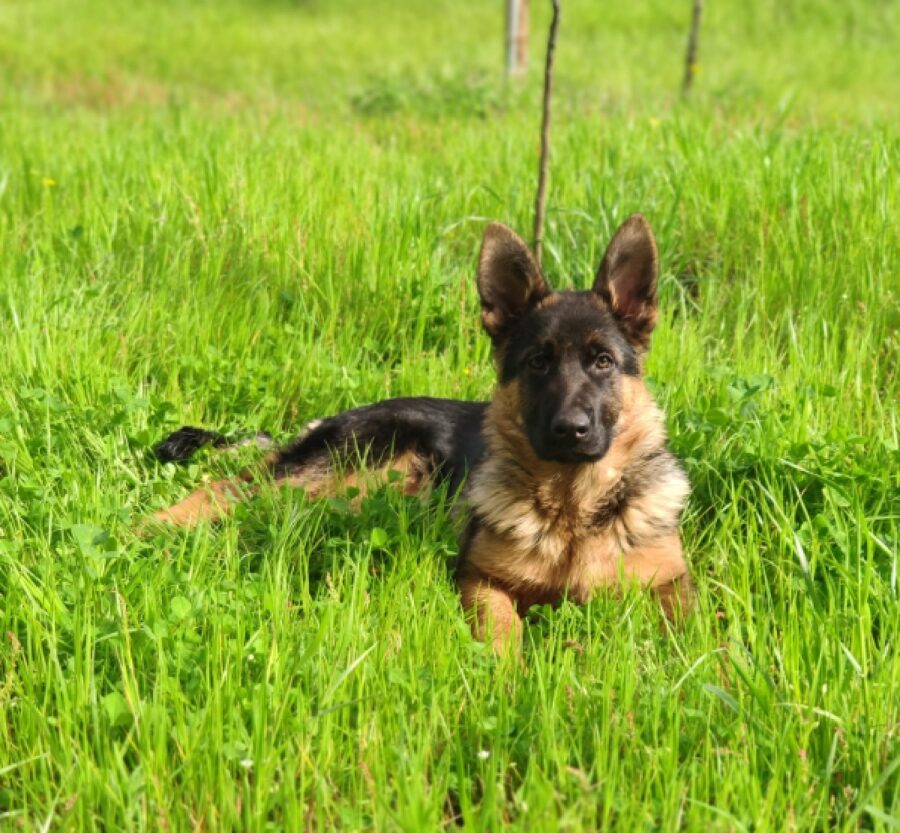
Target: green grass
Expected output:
[246,215]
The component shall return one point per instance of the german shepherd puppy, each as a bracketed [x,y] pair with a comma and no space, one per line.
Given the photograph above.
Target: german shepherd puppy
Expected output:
[566,477]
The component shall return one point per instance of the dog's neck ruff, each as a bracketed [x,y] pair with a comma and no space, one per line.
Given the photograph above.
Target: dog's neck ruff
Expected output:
[635,492]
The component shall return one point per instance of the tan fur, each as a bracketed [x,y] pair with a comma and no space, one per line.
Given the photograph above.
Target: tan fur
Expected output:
[536,540]
[548,301]
[216,499]
[540,530]
[211,502]
[326,481]
[492,612]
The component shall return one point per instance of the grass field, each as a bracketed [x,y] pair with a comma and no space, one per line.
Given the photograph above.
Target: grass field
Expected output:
[245,215]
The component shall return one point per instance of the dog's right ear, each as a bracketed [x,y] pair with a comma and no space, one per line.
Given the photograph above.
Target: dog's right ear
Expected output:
[510,282]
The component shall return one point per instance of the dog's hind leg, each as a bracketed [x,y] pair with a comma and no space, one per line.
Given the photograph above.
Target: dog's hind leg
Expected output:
[400,441]
[211,502]
[216,499]
[408,442]
[318,468]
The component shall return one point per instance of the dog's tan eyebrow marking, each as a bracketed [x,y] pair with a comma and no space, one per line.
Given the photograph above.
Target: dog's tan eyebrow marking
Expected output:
[549,300]
[597,341]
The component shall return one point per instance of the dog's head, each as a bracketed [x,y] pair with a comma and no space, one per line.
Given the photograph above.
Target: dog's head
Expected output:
[569,353]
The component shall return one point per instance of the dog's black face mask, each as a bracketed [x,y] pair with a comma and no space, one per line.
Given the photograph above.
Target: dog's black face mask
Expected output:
[569,351]
[568,358]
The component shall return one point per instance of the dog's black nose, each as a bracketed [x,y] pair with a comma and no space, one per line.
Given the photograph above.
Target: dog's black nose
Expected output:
[573,426]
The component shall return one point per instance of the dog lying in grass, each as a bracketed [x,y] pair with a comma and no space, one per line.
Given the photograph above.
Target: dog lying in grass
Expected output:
[566,477]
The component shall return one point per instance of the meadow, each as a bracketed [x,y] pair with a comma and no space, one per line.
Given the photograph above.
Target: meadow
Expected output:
[243,215]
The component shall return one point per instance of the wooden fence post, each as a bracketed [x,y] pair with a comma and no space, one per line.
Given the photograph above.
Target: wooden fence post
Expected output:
[516,37]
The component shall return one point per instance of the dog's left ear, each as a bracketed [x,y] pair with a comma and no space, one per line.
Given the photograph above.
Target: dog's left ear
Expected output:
[510,282]
[626,279]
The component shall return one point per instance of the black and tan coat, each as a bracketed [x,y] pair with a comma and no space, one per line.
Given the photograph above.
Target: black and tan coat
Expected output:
[565,473]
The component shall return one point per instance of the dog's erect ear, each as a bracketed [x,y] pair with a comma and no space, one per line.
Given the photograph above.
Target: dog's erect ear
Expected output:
[626,279]
[509,279]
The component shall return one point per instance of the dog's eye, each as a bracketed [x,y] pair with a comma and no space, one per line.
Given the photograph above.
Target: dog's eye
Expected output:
[539,362]
[603,361]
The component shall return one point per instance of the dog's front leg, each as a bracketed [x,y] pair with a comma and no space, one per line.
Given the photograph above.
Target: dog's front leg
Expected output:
[677,597]
[661,568]
[492,614]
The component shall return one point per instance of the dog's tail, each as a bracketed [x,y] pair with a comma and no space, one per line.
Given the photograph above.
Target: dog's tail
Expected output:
[180,445]
[216,498]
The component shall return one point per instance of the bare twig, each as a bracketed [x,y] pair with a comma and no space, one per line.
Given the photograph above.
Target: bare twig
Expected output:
[541,199]
[690,59]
